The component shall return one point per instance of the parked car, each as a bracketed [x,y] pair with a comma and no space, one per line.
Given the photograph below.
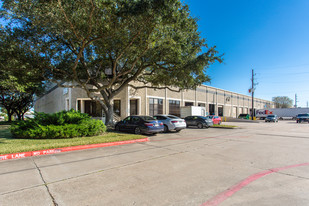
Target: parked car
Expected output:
[199,121]
[215,119]
[302,118]
[244,116]
[140,125]
[271,118]
[171,122]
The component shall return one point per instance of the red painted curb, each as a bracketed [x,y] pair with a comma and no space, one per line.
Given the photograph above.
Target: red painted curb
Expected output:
[229,192]
[67,149]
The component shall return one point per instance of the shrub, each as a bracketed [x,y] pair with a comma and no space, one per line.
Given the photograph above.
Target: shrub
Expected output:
[65,124]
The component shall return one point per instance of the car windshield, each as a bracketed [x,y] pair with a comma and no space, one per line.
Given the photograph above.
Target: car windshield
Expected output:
[203,117]
[271,116]
[146,118]
[243,115]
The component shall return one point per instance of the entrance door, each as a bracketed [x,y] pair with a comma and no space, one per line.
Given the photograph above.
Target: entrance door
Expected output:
[220,111]
[133,107]
[211,109]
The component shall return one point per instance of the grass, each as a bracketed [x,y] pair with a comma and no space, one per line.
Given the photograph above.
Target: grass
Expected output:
[224,126]
[8,144]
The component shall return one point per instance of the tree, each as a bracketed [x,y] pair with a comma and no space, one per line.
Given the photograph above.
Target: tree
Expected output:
[20,79]
[283,102]
[104,46]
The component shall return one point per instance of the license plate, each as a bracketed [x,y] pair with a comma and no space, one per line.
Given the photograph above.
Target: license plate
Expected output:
[156,125]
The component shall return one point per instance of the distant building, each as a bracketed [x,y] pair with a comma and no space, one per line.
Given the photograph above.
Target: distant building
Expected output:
[148,101]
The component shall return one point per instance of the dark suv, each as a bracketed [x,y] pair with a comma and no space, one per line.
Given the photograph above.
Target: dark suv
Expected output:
[199,121]
[302,118]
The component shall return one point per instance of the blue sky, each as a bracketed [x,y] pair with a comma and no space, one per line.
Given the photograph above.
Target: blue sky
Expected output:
[269,36]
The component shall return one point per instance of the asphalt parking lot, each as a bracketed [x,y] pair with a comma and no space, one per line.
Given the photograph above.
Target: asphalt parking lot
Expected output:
[257,164]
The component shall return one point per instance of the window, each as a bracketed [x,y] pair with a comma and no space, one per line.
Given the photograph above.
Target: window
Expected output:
[189,103]
[117,107]
[211,109]
[65,90]
[159,118]
[133,107]
[220,111]
[174,107]
[79,106]
[135,120]
[93,108]
[201,104]
[155,106]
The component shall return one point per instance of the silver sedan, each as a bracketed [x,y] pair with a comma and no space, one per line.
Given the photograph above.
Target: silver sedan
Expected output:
[171,122]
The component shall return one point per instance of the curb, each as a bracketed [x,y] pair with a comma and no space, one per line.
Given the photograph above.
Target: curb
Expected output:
[67,149]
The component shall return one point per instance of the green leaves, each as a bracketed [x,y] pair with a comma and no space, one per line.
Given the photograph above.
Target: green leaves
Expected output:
[282,102]
[151,41]
[64,124]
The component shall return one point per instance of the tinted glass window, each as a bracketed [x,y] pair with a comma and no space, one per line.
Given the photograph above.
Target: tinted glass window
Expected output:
[147,118]
[127,119]
[172,117]
[159,117]
[135,119]
[201,117]
[174,107]
[155,106]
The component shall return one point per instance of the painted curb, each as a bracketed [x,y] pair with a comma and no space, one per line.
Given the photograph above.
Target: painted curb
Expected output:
[67,149]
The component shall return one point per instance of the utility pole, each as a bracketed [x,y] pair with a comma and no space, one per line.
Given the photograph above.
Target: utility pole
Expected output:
[296,101]
[252,90]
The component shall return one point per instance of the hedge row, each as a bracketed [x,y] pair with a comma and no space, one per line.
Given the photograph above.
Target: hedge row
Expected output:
[65,124]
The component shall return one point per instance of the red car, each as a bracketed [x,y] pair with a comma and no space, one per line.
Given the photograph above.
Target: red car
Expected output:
[215,119]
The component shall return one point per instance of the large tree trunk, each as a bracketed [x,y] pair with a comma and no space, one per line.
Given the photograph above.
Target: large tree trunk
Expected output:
[19,116]
[109,115]
[9,117]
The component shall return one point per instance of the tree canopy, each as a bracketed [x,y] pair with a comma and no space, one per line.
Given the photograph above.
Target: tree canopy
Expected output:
[283,102]
[20,77]
[104,45]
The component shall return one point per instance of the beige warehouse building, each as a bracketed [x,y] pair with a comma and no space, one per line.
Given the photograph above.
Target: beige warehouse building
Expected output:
[148,101]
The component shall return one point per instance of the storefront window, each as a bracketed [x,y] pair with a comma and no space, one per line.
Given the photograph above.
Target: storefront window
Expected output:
[174,108]
[155,106]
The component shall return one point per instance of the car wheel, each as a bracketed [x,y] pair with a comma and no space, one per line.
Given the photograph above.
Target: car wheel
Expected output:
[187,126]
[178,130]
[219,123]
[117,128]
[137,130]
[200,125]
[165,129]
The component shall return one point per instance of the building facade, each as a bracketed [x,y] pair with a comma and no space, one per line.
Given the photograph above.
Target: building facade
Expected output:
[148,101]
